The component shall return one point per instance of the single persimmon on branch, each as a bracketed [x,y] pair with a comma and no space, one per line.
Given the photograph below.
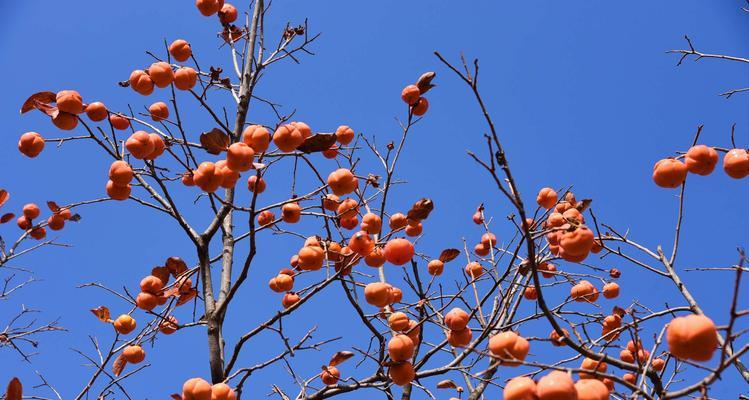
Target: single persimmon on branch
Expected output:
[535,313]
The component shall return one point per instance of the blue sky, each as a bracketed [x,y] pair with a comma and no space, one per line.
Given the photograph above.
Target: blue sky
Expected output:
[582,92]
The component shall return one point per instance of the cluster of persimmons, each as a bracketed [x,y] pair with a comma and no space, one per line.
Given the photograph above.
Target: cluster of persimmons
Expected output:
[700,160]
[563,226]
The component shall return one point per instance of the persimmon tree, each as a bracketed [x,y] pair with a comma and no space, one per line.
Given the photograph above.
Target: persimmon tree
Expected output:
[469,336]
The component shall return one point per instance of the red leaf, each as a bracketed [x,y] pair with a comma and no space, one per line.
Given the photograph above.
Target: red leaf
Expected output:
[185,297]
[4,196]
[119,365]
[102,312]
[340,357]
[421,209]
[446,384]
[425,81]
[53,206]
[318,142]
[6,217]
[37,98]
[215,141]
[448,255]
[15,390]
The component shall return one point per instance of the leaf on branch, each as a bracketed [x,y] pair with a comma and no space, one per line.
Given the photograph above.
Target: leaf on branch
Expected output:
[35,100]
[102,312]
[446,384]
[53,206]
[15,390]
[583,204]
[619,311]
[4,196]
[187,296]
[176,396]
[339,357]
[425,81]
[75,217]
[215,141]
[317,143]
[448,255]
[6,217]
[119,365]
[421,209]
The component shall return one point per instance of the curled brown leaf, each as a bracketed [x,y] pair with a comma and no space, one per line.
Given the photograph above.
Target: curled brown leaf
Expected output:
[36,100]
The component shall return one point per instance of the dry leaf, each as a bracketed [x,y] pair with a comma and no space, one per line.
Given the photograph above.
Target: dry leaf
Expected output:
[102,312]
[4,196]
[425,81]
[318,142]
[37,98]
[176,396]
[118,365]
[215,141]
[446,384]
[583,204]
[340,357]
[619,311]
[185,297]
[421,209]
[15,390]
[448,255]
[53,206]
[6,217]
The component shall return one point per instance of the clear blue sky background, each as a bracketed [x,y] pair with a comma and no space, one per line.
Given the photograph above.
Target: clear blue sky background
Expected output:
[582,93]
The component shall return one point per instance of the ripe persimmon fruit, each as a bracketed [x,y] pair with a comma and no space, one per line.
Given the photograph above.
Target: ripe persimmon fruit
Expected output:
[227,14]
[31,144]
[402,373]
[330,375]
[456,319]
[291,213]
[693,337]
[119,122]
[398,321]
[344,134]
[411,94]
[701,159]
[139,145]
[342,181]
[459,338]
[398,251]
[509,345]
[591,389]
[196,389]
[65,121]
[257,137]
[141,82]
[133,354]
[185,78]
[96,111]
[69,101]
[520,388]
[124,324]
[736,163]
[180,49]
[120,172]
[547,198]
[400,348]
[239,157]
[669,173]
[377,294]
[287,138]
[222,391]
[556,385]
[435,267]
[118,192]
[159,111]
